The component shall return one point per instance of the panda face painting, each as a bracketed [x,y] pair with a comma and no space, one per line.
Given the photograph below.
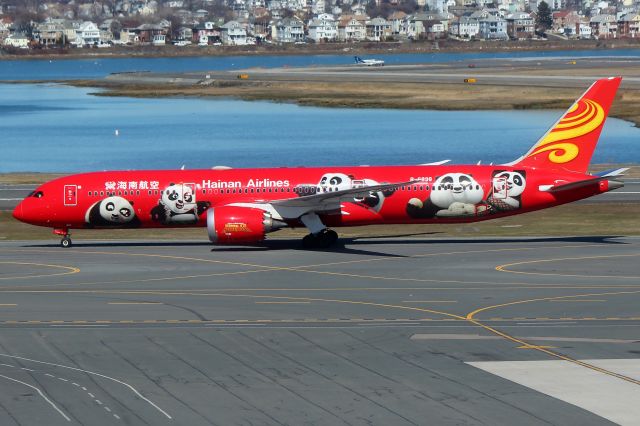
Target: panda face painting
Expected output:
[178,199]
[508,186]
[112,211]
[456,187]
[514,181]
[335,182]
[116,209]
[178,205]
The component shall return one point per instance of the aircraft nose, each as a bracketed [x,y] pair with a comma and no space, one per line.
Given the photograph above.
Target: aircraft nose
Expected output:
[27,212]
[18,213]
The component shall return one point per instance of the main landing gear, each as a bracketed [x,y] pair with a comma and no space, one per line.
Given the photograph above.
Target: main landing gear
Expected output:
[66,237]
[323,239]
[320,236]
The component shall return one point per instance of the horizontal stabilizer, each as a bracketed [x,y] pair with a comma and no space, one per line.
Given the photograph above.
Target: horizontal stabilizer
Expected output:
[612,172]
[613,184]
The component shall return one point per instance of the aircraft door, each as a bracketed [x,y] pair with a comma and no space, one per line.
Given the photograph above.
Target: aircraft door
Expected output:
[500,189]
[70,195]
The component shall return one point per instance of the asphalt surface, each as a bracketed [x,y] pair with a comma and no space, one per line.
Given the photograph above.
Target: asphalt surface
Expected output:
[11,195]
[540,72]
[387,331]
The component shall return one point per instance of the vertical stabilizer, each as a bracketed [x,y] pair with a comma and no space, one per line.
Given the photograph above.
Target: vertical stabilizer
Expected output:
[570,143]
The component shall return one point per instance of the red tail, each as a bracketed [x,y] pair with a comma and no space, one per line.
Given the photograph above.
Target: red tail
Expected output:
[570,143]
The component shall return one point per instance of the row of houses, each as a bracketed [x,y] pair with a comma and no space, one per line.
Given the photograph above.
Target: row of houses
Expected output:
[486,24]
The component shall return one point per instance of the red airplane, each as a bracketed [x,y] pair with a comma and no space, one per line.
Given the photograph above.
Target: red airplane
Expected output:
[243,205]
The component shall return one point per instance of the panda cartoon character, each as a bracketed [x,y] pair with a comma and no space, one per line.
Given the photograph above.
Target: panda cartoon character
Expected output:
[508,187]
[329,182]
[112,212]
[332,182]
[178,206]
[372,200]
[452,195]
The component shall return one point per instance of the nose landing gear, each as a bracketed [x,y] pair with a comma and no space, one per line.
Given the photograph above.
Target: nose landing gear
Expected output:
[65,242]
[66,237]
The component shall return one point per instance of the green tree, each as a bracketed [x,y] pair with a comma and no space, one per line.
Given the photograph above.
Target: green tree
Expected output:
[544,21]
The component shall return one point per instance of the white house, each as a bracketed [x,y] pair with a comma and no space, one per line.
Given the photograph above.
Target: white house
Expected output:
[323,28]
[288,30]
[351,29]
[493,28]
[233,34]
[465,27]
[88,34]
[398,23]
[604,26]
[18,40]
[378,29]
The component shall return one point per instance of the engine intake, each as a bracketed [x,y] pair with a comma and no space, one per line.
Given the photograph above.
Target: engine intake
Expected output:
[229,225]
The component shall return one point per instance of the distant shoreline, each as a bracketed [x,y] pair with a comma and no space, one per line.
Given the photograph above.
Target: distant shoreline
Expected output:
[446,46]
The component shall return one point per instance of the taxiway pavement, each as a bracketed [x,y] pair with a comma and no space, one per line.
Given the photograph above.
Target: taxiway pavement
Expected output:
[405,330]
[540,72]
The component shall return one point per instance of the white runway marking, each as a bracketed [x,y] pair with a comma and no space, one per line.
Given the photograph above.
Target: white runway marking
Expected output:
[606,396]
[134,390]
[55,407]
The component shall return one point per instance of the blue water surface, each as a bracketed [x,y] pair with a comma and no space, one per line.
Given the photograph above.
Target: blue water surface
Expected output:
[58,69]
[54,128]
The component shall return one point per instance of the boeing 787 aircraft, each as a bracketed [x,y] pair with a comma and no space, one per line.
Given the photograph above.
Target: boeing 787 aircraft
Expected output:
[239,206]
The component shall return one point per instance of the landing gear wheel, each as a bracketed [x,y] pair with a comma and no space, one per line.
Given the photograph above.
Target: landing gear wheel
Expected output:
[329,238]
[65,242]
[324,239]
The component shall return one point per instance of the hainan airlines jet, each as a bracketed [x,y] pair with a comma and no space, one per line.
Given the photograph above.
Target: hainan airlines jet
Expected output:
[239,206]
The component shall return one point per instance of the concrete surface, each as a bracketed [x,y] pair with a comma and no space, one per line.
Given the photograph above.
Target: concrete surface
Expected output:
[379,331]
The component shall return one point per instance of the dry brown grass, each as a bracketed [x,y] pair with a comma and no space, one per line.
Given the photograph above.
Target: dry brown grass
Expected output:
[377,95]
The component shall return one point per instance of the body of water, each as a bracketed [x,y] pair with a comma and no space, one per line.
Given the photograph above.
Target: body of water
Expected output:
[57,69]
[53,128]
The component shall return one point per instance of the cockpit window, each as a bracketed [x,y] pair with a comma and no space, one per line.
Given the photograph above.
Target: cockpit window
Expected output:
[37,194]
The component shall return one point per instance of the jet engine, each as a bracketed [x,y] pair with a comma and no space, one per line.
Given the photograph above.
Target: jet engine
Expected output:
[230,225]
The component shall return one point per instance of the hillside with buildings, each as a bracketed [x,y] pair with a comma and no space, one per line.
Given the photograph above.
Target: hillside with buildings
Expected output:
[41,24]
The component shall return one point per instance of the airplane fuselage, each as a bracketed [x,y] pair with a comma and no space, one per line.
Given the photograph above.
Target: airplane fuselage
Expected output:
[162,198]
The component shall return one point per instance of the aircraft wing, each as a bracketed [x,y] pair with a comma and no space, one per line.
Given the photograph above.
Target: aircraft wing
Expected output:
[321,200]
[612,172]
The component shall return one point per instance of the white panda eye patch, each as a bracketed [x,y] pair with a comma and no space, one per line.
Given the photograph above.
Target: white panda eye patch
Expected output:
[517,180]
[110,206]
[335,180]
[125,212]
[323,180]
[188,197]
[173,195]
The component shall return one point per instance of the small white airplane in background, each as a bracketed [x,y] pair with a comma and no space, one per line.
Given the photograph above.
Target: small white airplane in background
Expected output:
[369,62]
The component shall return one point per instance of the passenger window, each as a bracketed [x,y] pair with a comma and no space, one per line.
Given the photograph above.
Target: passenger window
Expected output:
[39,194]
[101,193]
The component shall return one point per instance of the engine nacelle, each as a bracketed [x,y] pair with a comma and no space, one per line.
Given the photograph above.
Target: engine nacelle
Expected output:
[229,225]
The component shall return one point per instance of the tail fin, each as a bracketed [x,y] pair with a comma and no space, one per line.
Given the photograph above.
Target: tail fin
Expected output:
[357,59]
[570,143]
